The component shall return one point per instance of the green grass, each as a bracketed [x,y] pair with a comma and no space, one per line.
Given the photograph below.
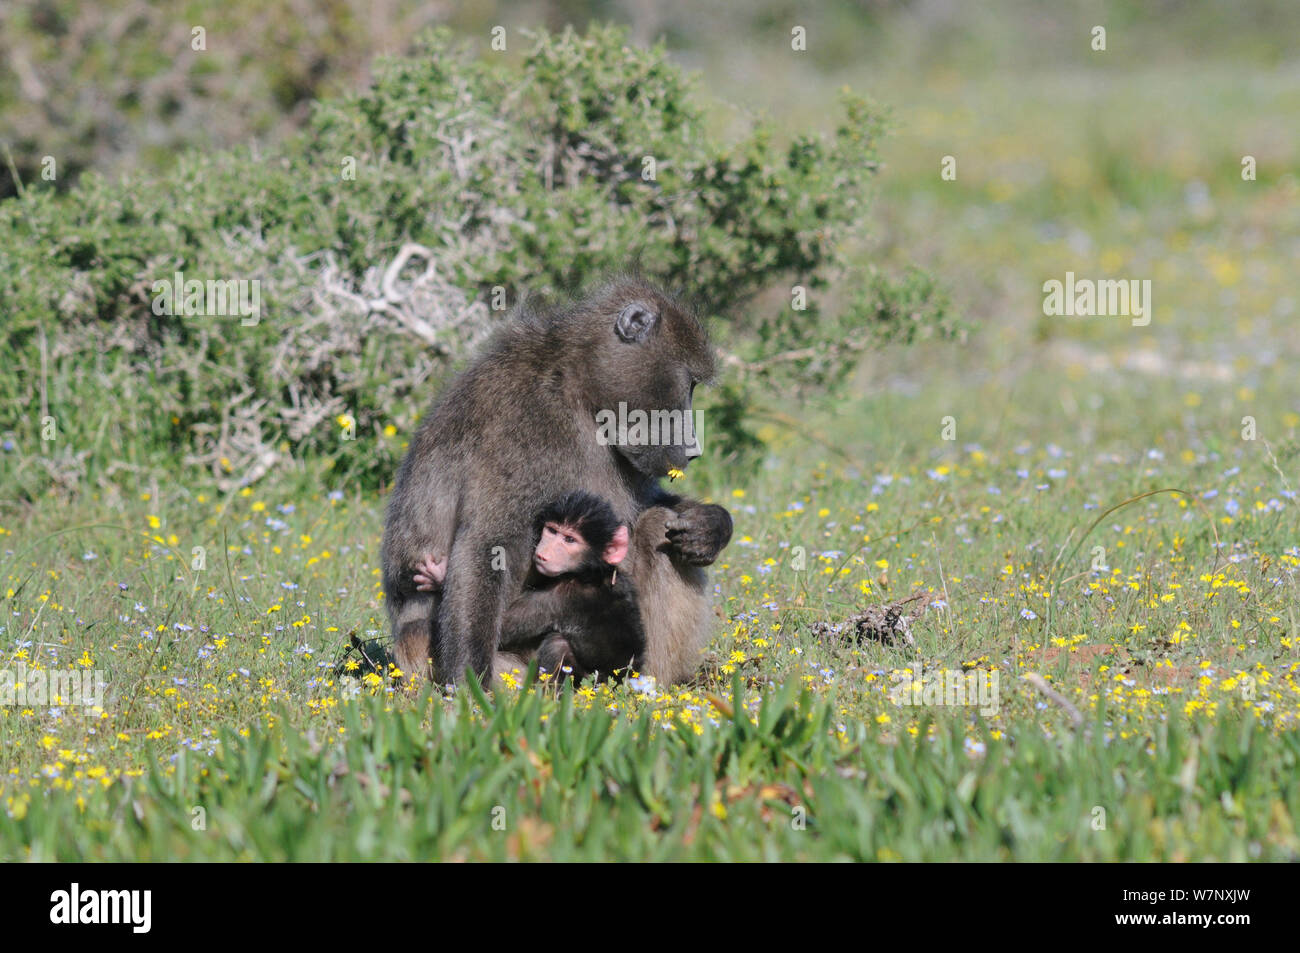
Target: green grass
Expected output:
[540,778]
[1182,655]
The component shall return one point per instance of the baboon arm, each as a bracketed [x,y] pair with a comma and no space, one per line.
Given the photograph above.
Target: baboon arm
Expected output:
[649,536]
[530,617]
[696,532]
[469,620]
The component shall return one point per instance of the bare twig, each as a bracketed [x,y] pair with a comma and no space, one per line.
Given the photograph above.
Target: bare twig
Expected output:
[1040,683]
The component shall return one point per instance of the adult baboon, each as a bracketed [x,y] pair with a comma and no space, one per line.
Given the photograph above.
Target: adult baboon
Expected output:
[529,420]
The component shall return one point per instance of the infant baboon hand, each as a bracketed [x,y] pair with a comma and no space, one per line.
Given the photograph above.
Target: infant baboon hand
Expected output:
[698,533]
[430,572]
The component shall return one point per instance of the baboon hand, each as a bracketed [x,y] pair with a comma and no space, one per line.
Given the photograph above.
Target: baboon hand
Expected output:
[698,532]
[430,572]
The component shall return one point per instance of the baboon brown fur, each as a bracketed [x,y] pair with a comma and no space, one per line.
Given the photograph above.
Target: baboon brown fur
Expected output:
[518,428]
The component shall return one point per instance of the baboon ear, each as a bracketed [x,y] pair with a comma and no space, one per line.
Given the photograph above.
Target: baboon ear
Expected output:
[616,549]
[635,322]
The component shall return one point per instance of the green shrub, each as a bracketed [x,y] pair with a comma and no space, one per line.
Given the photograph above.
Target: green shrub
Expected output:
[508,176]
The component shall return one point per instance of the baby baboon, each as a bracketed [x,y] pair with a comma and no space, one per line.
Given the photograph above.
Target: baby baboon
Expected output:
[527,422]
[576,613]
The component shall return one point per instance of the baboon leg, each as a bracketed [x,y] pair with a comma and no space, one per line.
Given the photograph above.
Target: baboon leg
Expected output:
[413,634]
[674,599]
[555,654]
[508,663]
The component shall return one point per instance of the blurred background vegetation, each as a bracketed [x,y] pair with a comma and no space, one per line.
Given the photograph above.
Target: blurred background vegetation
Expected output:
[116,87]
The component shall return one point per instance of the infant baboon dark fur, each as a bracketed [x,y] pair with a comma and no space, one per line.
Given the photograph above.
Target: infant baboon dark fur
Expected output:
[519,428]
[576,611]
[575,614]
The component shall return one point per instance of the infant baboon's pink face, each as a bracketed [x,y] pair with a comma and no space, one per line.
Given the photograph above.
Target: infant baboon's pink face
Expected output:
[560,550]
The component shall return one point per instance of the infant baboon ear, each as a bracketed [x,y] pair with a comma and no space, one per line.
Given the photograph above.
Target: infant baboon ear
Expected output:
[616,549]
[635,322]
